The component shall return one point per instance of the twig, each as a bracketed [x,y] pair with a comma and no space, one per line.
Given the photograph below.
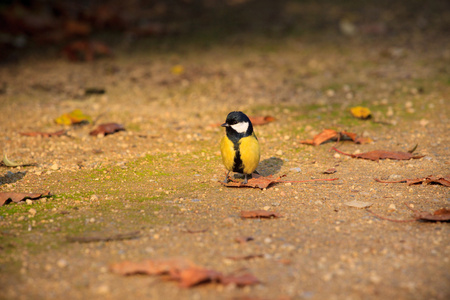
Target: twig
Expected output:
[388,219]
[115,237]
[196,231]
[245,257]
[395,181]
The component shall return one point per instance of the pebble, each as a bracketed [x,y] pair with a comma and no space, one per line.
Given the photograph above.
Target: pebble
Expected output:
[62,263]
[29,202]
[279,152]
[337,155]
[32,212]
[298,170]
[266,208]
[392,207]
[395,176]
[94,198]
[54,167]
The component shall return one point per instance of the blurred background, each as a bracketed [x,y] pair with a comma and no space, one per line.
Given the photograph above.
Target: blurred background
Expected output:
[51,27]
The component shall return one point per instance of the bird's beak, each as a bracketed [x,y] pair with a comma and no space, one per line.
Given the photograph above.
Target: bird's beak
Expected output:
[225,125]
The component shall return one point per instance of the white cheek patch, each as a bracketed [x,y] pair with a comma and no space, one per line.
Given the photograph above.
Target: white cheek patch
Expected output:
[240,127]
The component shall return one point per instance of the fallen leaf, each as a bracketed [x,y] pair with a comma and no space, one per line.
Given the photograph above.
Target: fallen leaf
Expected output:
[107,128]
[358,204]
[444,180]
[74,117]
[261,120]
[440,215]
[177,70]
[360,112]
[44,134]
[261,182]
[17,197]
[243,239]
[333,135]
[381,154]
[85,50]
[259,214]
[330,171]
[184,271]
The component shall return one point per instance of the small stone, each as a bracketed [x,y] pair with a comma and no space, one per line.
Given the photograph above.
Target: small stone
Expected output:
[279,152]
[54,167]
[62,263]
[337,155]
[103,289]
[267,240]
[94,198]
[392,207]
[29,202]
[394,177]
[390,112]
[228,221]
[424,122]
[297,170]
[266,208]
[32,212]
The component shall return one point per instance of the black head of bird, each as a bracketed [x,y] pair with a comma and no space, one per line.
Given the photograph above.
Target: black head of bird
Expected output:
[237,125]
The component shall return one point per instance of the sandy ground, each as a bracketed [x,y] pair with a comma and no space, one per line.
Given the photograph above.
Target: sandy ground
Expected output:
[160,176]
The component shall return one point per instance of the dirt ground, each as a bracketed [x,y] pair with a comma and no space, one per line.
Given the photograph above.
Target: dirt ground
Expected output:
[160,176]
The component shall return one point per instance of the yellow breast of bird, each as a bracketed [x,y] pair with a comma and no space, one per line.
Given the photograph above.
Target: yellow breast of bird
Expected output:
[228,153]
[250,153]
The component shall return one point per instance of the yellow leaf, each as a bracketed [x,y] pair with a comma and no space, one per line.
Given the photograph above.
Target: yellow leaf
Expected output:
[360,112]
[74,117]
[177,69]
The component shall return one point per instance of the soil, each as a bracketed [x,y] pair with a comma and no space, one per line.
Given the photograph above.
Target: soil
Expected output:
[160,177]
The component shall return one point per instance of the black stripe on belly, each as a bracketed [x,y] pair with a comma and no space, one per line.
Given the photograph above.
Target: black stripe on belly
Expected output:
[238,166]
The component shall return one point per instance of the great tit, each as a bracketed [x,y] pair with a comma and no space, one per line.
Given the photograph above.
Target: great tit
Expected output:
[239,147]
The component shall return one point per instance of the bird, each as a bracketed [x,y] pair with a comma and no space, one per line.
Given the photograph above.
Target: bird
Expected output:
[239,147]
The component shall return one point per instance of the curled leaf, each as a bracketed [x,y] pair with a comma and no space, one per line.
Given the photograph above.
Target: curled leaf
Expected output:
[333,135]
[17,197]
[9,163]
[107,128]
[74,117]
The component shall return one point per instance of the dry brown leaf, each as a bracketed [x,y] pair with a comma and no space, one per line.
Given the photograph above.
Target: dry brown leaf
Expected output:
[17,197]
[381,154]
[261,120]
[107,128]
[44,134]
[184,271]
[261,182]
[330,171]
[243,239]
[259,214]
[444,180]
[333,135]
[85,50]
[440,215]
